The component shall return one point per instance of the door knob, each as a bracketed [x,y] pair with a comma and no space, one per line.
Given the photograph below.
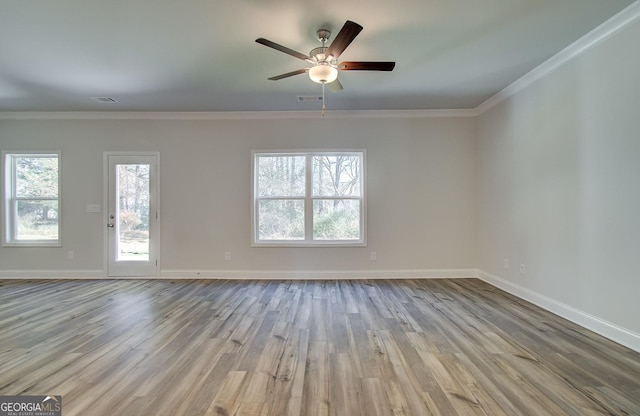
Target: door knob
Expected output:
[110,225]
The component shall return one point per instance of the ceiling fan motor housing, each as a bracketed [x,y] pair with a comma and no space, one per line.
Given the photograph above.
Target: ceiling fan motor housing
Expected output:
[319,54]
[323,35]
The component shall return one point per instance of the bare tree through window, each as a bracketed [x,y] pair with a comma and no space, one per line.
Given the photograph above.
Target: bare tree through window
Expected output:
[309,197]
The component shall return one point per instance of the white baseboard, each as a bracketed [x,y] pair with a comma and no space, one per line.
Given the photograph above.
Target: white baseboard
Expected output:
[608,330]
[52,274]
[319,274]
[251,274]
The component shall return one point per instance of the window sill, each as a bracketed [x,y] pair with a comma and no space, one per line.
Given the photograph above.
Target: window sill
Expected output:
[307,244]
[34,244]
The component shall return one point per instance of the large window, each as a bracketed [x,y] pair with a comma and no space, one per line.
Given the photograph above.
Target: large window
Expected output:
[309,198]
[31,199]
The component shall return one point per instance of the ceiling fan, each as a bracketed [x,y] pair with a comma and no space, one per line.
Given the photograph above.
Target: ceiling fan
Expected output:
[324,59]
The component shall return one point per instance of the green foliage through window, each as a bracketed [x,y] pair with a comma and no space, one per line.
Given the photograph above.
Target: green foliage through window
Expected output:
[32,205]
[320,191]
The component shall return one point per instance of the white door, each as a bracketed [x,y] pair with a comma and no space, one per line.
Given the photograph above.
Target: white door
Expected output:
[132,214]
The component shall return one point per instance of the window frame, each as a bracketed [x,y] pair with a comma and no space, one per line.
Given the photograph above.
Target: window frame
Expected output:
[308,199]
[9,200]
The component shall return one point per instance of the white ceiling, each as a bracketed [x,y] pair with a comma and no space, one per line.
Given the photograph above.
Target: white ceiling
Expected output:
[201,55]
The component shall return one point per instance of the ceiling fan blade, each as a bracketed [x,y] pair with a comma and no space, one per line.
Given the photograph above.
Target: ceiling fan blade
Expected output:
[346,35]
[281,48]
[366,66]
[289,74]
[335,86]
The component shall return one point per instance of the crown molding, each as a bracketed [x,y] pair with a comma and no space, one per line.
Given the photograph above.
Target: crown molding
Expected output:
[606,30]
[230,115]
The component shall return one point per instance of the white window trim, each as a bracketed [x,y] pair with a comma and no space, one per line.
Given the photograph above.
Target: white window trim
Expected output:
[8,193]
[308,217]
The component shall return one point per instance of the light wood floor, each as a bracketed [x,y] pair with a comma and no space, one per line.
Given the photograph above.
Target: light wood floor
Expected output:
[408,347]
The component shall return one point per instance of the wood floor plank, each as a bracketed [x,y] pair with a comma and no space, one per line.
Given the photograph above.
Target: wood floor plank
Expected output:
[227,401]
[289,389]
[373,398]
[271,348]
[316,381]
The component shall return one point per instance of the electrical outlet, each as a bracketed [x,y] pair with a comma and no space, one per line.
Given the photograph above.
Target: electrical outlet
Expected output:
[69,255]
[227,255]
[505,263]
[373,255]
[522,269]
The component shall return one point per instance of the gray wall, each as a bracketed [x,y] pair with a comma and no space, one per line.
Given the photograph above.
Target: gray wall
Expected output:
[559,184]
[421,192]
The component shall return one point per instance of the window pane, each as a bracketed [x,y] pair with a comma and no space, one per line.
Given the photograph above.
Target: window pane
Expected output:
[281,176]
[281,220]
[36,177]
[37,220]
[133,212]
[336,219]
[337,175]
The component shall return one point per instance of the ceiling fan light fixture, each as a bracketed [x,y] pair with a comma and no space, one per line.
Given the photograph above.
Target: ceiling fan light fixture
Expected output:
[323,73]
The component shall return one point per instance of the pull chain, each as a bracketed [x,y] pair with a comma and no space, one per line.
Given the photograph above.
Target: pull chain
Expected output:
[324,107]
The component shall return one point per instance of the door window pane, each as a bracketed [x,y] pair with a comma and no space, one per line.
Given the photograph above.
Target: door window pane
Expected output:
[133,212]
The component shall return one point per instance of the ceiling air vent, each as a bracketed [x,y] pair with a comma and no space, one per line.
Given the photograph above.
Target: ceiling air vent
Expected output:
[107,100]
[309,98]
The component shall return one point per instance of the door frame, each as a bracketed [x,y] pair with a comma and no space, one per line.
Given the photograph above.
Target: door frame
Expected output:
[105,204]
